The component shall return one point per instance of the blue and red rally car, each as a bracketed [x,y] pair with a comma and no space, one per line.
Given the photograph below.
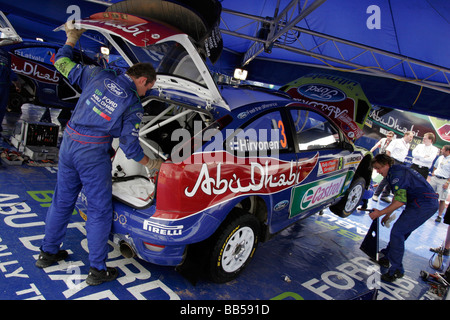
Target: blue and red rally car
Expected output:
[240,164]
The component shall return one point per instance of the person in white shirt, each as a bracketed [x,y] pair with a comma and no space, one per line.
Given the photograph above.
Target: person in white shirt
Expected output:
[397,149]
[383,143]
[440,178]
[424,155]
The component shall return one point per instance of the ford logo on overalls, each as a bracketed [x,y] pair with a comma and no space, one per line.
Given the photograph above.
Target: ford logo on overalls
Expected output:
[321,92]
[114,88]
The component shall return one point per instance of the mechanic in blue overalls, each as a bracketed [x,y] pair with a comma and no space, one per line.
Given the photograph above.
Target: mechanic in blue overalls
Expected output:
[6,77]
[420,200]
[109,107]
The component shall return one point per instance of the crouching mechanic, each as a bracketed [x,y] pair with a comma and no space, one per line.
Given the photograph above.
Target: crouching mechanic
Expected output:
[420,200]
[109,107]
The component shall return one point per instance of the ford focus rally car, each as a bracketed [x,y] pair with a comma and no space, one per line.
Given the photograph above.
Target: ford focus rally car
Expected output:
[240,164]
[32,61]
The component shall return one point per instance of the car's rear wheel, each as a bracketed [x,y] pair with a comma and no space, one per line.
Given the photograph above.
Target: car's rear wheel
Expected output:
[351,200]
[233,246]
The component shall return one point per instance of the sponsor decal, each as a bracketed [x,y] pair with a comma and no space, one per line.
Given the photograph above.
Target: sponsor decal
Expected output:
[242,115]
[352,160]
[281,205]
[328,166]
[207,184]
[315,193]
[322,92]
[33,70]
[163,229]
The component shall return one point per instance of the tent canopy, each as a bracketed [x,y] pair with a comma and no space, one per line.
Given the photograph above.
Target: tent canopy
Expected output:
[398,50]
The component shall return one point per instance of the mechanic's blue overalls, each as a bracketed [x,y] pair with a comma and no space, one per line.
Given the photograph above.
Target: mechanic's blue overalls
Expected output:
[421,203]
[109,107]
[6,76]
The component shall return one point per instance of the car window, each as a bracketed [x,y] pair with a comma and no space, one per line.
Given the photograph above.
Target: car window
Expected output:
[264,136]
[167,58]
[313,131]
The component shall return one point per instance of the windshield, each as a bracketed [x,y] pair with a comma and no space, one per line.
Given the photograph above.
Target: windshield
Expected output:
[168,58]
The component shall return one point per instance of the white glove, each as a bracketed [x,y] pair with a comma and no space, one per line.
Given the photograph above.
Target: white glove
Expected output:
[73,34]
[153,166]
[387,224]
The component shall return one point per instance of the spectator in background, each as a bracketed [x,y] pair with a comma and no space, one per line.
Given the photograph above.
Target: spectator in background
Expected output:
[398,150]
[424,155]
[440,178]
[383,143]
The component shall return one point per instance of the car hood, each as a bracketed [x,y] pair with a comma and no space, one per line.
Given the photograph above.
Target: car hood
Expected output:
[142,32]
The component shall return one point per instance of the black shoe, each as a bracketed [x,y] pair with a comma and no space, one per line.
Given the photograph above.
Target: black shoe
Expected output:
[384,262]
[391,277]
[47,259]
[97,277]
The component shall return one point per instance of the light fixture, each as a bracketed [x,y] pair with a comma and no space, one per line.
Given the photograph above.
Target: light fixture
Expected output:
[104,51]
[240,74]
[40,39]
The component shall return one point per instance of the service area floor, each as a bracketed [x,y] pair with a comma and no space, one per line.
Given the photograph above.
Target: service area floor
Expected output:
[318,258]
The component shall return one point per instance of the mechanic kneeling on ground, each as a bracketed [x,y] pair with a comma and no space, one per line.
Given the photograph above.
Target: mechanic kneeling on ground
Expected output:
[109,107]
[420,200]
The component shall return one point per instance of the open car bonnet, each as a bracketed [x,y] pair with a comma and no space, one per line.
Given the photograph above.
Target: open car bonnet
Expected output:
[141,34]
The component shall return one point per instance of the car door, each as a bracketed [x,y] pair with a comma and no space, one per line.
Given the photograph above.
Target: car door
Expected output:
[315,135]
[268,146]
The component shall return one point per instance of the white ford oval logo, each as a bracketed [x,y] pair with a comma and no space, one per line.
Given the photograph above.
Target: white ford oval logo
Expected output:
[321,92]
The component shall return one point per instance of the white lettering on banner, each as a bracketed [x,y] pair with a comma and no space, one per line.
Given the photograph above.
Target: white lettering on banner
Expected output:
[33,289]
[36,71]
[344,279]
[137,291]
[8,274]
[17,215]
[218,185]
[391,122]
[10,221]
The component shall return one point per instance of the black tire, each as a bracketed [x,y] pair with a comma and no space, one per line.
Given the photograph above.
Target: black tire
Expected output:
[15,102]
[348,204]
[233,246]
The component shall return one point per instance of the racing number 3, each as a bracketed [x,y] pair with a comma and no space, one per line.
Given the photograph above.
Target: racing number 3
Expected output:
[283,141]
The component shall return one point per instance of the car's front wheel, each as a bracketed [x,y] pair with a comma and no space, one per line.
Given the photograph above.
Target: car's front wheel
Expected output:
[351,200]
[233,246]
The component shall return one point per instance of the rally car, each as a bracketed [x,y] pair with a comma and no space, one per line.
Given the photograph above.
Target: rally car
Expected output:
[239,165]
[41,83]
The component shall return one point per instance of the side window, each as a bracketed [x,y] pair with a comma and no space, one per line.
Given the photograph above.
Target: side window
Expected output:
[264,136]
[313,131]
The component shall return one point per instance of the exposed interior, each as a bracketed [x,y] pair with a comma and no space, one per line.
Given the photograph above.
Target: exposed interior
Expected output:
[162,118]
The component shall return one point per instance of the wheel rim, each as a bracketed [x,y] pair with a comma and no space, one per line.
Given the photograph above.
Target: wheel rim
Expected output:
[238,249]
[353,198]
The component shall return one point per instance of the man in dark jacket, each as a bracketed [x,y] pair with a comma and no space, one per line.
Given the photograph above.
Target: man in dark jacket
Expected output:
[109,107]
[420,200]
